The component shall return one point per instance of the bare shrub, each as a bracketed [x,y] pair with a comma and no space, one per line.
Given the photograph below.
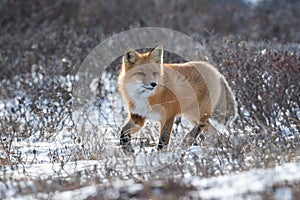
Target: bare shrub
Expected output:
[45,42]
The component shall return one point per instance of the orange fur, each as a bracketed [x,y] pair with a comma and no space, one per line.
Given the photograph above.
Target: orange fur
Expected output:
[158,91]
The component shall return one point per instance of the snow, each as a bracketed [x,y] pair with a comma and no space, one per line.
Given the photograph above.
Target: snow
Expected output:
[284,193]
[58,159]
[41,165]
[81,193]
[238,184]
[233,185]
[252,2]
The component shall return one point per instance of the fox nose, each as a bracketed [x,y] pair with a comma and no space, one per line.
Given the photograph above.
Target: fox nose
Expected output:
[153,85]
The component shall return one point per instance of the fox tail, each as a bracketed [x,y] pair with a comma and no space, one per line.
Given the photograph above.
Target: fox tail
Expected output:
[226,109]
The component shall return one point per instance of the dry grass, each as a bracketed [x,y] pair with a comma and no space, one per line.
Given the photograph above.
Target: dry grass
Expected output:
[256,49]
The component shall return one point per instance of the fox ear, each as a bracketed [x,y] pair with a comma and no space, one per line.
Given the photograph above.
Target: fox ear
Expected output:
[157,54]
[130,55]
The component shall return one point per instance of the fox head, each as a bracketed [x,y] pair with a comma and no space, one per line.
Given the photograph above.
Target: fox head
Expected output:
[141,72]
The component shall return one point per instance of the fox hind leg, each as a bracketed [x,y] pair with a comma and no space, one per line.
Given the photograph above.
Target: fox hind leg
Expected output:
[193,135]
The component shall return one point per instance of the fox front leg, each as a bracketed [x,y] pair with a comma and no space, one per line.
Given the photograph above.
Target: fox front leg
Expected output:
[165,135]
[134,124]
[125,138]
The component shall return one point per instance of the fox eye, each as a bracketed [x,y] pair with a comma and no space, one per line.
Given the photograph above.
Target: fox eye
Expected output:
[155,73]
[139,73]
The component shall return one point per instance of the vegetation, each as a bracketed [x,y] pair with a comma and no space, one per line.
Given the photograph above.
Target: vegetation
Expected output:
[42,46]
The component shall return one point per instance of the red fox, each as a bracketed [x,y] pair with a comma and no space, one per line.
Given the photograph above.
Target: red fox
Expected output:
[158,91]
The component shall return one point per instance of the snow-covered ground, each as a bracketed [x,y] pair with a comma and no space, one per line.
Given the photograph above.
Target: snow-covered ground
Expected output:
[251,182]
[89,163]
[231,186]
[238,185]
[23,180]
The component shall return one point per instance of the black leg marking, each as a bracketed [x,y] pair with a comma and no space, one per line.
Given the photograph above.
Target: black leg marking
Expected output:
[165,135]
[192,136]
[163,141]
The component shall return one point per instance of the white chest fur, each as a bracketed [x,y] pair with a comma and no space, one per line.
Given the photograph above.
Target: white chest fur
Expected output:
[141,106]
[143,109]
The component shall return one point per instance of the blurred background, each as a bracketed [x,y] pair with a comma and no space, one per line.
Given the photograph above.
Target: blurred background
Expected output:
[42,32]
